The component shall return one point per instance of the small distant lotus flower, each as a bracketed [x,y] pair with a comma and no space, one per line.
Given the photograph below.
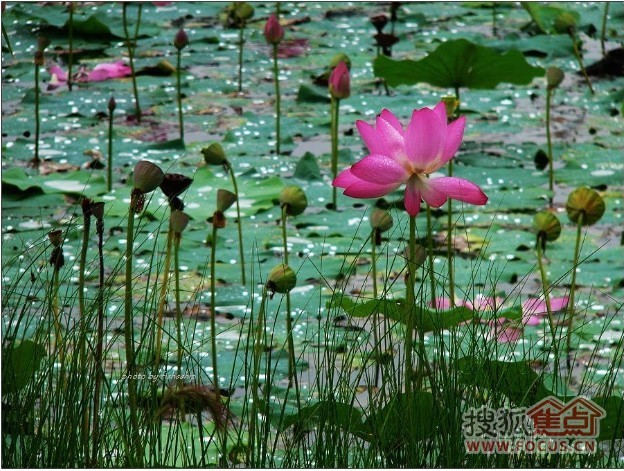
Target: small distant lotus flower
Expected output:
[409,156]
[340,82]
[99,73]
[534,308]
[181,39]
[273,30]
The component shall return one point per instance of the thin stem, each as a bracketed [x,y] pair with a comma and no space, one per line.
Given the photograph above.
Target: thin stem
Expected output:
[163,298]
[577,54]
[278,101]
[239,224]
[99,372]
[603,32]
[551,323]
[129,337]
[335,107]
[410,304]
[577,247]
[494,30]
[241,41]
[179,77]
[70,61]
[431,257]
[109,182]
[292,372]
[213,308]
[83,323]
[36,160]
[377,346]
[131,58]
[176,271]
[450,245]
[57,315]
[551,170]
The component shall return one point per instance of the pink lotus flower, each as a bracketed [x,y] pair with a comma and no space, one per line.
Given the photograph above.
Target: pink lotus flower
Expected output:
[534,308]
[273,31]
[340,82]
[409,156]
[99,73]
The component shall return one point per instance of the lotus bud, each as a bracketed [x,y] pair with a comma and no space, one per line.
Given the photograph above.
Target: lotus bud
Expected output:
[586,202]
[282,279]
[294,199]
[273,30]
[147,176]
[178,221]
[564,23]
[381,220]
[85,204]
[379,22]
[214,154]
[451,103]
[174,184]
[340,82]
[97,209]
[112,104]
[243,11]
[225,199]
[181,40]
[57,259]
[337,59]
[56,237]
[554,77]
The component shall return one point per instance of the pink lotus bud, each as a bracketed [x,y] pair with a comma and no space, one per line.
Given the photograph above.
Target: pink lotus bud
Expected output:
[273,31]
[181,39]
[340,82]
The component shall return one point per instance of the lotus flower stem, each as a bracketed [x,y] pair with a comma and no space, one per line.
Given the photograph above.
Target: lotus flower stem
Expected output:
[577,54]
[603,31]
[176,268]
[163,297]
[57,314]
[292,371]
[570,322]
[86,212]
[99,372]
[410,303]
[179,82]
[129,331]
[431,257]
[335,107]
[278,100]
[109,180]
[36,160]
[213,308]
[239,224]
[375,314]
[5,35]
[130,45]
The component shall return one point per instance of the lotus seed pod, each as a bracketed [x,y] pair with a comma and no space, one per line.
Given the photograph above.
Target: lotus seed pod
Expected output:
[57,259]
[244,11]
[147,176]
[112,104]
[451,103]
[225,199]
[381,220]
[56,237]
[547,223]
[175,184]
[282,279]
[420,254]
[337,59]
[39,60]
[554,77]
[564,23]
[181,40]
[214,154]
[85,205]
[294,199]
[587,202]
[179,220]
[42,43]
[97,209]
[379,22]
